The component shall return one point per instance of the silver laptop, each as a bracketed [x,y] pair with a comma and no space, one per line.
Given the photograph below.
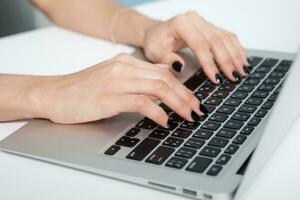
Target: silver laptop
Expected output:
[206,159]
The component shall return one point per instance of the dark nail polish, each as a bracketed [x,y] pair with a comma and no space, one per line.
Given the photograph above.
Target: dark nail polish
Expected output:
[246,70]
[195,116]
[169,123]
[177,66]
[236,76]
[249,61]
[219,78]
[203,109]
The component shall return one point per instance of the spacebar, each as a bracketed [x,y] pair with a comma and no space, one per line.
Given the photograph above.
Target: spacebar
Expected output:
[143,149]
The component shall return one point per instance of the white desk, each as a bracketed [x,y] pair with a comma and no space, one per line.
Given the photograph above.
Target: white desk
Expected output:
[267,24]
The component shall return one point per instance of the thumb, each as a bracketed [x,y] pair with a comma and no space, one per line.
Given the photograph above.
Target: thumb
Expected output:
[175,61]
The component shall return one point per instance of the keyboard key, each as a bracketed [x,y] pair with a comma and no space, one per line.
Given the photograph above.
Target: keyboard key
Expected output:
[213,101]
[201,95]
[218,117]
[254,60]
[252,81]
[240,116]
[239,95]
[133,132]
[226,109]
[165,108]
[195,81]
[203,134]
[127,141]
[146,124]
[112,150]
[223,159]
[220,94]
[271,80]
[214,170]
[247,108]
[218,142]
[233,124]
[173,142]
[210,125]
[185,152]
[227,87]
[210,151]
[182,133]
[282,68]
[199,164]
[143,149]
[206,88]
[210,108]
[194,143]
[257,75]
[247,130]
[177,163]
[266,87]
[254,101]
[171,126]
[267,105]
[226,133]
[286,62]
[260,94]
[231,149]
[245,88]
[263,69]
[254,121]
[174,117]
[261,113]
[159,134]
[272,97]
[232,102]
[240,139]
[277,74]
[190,125]
[270,62]
[160,155]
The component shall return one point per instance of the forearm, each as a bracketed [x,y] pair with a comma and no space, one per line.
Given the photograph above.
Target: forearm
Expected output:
[94,18]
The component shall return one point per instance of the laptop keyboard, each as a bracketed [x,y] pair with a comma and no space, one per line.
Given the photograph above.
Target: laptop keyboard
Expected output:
[208,145]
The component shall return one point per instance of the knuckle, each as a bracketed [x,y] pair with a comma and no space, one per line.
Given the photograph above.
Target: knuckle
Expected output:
[123,57]
[191,13]
[141,102]
[178,19]
[117,68]
[159,86]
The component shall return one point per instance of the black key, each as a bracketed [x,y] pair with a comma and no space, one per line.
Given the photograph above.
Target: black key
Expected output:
[182,133]
[233,124]
[190,125]
[218,117]
[203,134]
[260,94]
[254,121]
[240,116]
[173,142]
[266,87]
[174,117]
[210,108]
[218,142]
[277,74]
[197,79]
[247,108]
[247,130]
[133,132]
[143,149]
[282,68]
[201,95]
[112,150]
[210,151]
[227,87]
[240,139]
[220,94]
[213,101]
[199,164]
[254,60]
[194,143]
[231,149]
[185,152]
[272,97]
[146,124]
[232,102]
[263,69]
[271,80]
[226,133]
[214,170]
[286,62]
[254,101]
[261,113]
[223,159]
[160,155]
[252,81]
[239,95]
[159,134]
[209,125]
[171,126]
[270,62]
[165,108]
[226,109]
[245,88]
[257,75]
[267,105]
[127,141]
[177,163]
[206,88]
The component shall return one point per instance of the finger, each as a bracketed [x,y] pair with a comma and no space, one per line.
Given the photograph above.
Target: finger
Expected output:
[242,51]
[175,61]
[141,104]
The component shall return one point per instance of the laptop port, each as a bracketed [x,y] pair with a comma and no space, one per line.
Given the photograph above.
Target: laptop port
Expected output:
[189,192]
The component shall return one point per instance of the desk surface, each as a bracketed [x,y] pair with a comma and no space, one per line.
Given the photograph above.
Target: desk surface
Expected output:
[268,24]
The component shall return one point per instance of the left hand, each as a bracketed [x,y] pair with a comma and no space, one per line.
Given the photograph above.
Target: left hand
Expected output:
[163,40]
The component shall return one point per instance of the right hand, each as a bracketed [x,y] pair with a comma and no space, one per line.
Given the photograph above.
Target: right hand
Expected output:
[121,84]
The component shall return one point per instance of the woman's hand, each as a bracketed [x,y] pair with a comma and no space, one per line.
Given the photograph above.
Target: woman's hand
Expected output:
[208,42]
[122,84]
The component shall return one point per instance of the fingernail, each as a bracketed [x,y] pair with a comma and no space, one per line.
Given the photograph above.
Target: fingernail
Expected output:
[177,66]
[246,70]
[236,76]
[219,78]
[203,109]
[195,116]
[169,122]
[249,61]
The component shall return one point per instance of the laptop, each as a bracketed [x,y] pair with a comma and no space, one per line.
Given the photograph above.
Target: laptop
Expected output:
[212,158]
